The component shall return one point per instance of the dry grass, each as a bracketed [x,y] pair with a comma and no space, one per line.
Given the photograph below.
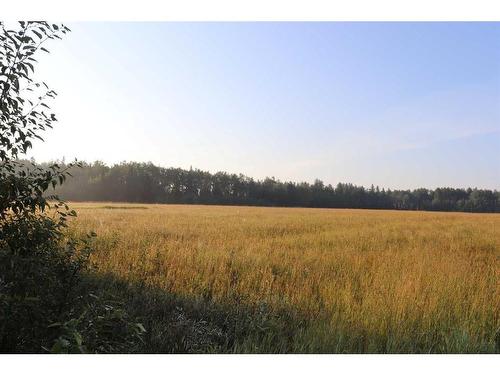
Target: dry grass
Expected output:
[359,280]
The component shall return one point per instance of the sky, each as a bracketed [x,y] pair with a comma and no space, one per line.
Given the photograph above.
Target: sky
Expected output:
[399,105]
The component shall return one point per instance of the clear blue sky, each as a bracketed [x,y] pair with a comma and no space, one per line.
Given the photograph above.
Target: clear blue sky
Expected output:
[400,105]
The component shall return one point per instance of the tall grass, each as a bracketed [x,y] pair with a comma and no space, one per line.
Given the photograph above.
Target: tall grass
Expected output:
[309,280]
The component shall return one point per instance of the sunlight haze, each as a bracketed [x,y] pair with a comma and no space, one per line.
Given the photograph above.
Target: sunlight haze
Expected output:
[391,104]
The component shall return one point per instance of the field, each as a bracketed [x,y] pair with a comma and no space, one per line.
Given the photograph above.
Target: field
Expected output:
[247,279]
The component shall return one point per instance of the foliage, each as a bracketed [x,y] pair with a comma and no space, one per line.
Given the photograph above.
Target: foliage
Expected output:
[147,183]
[41,267]
[22,100]
[40,270]
[104,326]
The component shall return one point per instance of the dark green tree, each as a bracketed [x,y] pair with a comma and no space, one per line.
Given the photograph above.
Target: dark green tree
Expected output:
[146,183]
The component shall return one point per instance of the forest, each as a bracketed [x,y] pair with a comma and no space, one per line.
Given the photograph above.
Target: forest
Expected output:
[148,183]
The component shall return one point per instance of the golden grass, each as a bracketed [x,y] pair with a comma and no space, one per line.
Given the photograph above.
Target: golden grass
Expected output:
[363,280]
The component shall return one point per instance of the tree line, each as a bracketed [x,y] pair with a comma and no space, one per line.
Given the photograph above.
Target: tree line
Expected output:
[148,183]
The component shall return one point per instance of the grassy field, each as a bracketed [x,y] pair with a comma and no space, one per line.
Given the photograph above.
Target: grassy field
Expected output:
[246,279]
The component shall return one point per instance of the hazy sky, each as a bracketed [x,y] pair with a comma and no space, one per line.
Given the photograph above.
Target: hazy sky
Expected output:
[399,105]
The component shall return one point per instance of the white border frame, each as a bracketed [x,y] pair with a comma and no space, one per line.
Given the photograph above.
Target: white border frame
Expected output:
[252,10]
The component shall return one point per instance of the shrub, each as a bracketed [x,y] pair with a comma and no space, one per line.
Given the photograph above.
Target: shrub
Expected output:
[43,303]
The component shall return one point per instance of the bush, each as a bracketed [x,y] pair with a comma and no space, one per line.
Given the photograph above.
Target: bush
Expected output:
[39,270]
[43,304]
